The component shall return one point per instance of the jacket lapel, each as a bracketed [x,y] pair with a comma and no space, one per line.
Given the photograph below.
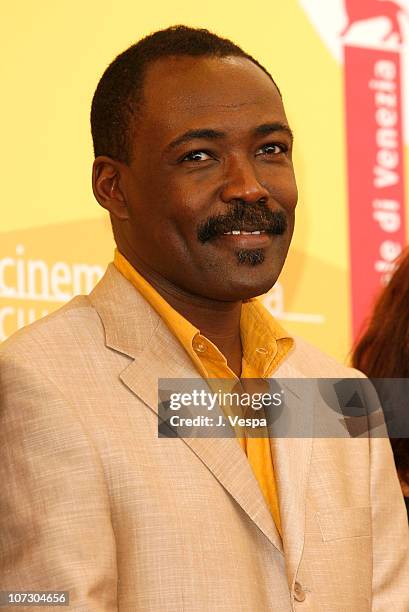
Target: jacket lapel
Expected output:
[134,328]
[291,445]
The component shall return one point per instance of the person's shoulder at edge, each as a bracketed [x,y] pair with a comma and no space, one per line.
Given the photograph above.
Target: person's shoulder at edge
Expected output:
[37,337]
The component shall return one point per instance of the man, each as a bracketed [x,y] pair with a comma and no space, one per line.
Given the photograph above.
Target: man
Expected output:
[193,163]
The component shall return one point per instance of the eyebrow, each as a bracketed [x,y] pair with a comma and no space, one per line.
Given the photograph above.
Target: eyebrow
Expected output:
[211,134]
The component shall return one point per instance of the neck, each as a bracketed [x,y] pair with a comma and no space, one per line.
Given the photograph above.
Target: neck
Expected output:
[218,321]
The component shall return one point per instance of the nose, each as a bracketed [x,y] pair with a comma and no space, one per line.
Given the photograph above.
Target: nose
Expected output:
[242,184]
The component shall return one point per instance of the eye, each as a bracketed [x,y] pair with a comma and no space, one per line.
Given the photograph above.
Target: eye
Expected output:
[272,149]
[196,156]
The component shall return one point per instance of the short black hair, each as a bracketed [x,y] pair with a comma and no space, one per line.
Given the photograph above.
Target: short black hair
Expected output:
[119,93]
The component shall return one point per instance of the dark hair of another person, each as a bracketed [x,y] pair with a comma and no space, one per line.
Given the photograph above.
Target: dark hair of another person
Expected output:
[119,94]
[383,350]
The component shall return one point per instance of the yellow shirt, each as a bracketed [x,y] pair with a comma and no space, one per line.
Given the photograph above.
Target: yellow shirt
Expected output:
[265,344]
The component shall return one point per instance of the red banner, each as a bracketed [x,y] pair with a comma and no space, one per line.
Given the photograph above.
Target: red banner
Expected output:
[375,171]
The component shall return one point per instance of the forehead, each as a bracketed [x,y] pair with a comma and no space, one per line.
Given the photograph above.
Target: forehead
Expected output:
[183,92]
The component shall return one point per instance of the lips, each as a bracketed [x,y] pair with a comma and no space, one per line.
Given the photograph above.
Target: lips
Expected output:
[245,240]
[244,233]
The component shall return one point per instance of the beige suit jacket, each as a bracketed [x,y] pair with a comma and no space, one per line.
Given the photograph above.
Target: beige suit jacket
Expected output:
[94,503]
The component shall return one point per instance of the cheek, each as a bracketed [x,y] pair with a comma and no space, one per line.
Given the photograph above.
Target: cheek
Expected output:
[284,190]
[177,216]
[188,205]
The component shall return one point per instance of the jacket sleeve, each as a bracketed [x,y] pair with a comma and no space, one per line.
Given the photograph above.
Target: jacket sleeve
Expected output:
[390,532]
[55,527]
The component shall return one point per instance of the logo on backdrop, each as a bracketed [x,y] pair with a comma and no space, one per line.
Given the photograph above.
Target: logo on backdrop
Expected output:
[362,10]
[375,149]
[368,37]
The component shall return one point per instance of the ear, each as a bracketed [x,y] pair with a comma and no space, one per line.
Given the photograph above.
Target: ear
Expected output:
[106,174]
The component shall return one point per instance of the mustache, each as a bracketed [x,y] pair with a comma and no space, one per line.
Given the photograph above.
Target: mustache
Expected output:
[243,217]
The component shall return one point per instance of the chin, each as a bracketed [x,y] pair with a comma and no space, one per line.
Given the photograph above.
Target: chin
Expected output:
[254,290]
[244,288]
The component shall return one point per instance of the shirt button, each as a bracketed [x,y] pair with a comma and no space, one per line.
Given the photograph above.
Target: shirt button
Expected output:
[200,347]
[261,350]
[299,593]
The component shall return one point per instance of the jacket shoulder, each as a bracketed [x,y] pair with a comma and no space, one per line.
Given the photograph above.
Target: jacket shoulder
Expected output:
[73,322]
[306,360]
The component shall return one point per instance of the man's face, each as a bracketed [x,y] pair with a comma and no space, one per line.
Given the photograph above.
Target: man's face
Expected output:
[211,156]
